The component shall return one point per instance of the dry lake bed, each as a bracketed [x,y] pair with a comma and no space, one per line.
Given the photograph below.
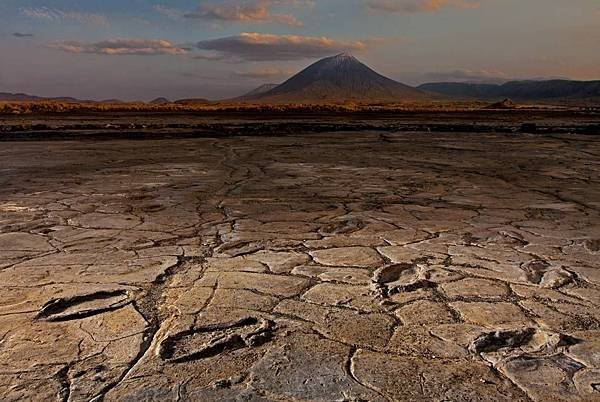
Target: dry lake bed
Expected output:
[332,266]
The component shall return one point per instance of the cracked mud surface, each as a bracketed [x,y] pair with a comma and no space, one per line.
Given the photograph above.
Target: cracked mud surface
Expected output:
[333,267]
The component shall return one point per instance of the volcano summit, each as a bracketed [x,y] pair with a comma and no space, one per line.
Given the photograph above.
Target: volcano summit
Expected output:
[338,79]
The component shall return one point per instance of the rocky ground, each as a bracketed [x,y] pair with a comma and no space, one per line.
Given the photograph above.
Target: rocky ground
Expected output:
[330,267]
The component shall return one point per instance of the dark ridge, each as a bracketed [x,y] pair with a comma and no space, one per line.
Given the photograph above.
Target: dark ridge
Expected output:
[159,101]
[521,90]
[192,101]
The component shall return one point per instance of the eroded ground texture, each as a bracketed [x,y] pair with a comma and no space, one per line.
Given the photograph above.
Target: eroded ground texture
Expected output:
[329,267]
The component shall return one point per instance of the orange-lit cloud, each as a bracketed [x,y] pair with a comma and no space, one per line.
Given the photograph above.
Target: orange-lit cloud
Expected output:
[248,11]
[114,47]
[259,47]
[416,6]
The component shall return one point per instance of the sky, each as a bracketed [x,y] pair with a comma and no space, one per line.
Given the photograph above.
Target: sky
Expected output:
[215,49]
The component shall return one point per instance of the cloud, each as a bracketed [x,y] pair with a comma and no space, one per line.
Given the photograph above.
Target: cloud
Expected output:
[263,47]
[53,14]
[248,11]
[416,6]
[213,56]
[264,73]
[22,35]
[466,75]
[113,47]
[169,12]
[42,13]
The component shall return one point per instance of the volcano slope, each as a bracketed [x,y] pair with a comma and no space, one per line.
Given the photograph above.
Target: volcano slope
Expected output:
[334,267]
[338,79]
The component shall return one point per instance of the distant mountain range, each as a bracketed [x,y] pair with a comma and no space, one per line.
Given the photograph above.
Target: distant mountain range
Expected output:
[337,79]
[518,90]
[8,97]
[344,79]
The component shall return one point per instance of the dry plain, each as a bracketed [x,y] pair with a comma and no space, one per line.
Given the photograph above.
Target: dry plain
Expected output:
[331,266]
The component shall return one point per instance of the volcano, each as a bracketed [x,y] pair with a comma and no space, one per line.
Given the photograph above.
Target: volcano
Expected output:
[339,79]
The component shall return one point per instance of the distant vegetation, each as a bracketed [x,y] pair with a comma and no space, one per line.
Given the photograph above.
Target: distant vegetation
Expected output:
[41,107]
[51,107]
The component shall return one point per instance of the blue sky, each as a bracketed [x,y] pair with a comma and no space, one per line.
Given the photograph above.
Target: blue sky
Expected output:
[141,49]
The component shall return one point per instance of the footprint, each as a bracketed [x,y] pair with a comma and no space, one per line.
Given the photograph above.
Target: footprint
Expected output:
[496,340]
[211,340]
[524,339]
[399,278]
[342,227]
[535,270]
[543,274]
[81,306]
